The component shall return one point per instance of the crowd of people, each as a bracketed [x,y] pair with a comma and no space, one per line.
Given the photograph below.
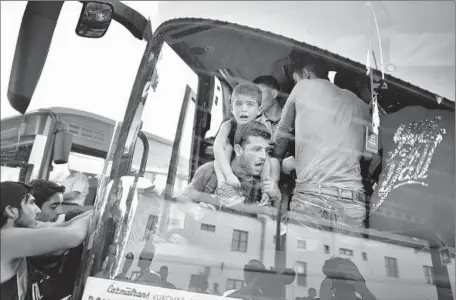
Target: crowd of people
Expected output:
[326,122]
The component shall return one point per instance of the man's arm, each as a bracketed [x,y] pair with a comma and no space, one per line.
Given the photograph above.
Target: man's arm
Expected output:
[282,135]
[219,148]
[192,193]
[63,223]
[25,242]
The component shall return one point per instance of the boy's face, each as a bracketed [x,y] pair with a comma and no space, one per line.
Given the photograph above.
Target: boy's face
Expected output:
[245,108]
[52,208]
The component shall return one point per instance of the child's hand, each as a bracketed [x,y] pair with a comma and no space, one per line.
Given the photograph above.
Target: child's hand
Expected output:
[288,164]
[233,181]
[265,199]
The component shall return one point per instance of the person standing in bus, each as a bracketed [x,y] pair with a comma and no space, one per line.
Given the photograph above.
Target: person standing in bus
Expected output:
[251,147]
[271,108]
[329,133]
[21,239]
[77,188]
[246,107]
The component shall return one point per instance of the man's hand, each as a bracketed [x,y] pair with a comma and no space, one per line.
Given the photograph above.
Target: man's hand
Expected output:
[271,188]
[288,164]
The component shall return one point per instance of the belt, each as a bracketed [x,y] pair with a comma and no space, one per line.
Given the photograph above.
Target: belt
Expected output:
[329,190]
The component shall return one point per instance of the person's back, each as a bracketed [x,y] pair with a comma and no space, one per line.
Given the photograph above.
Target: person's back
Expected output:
[77,188]
[329,127]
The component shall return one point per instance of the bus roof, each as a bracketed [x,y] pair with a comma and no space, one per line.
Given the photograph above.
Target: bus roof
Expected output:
[418,38]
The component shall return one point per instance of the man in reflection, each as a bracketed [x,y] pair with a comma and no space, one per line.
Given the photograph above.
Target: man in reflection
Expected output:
[329,132]
[77,188]
[129,258]
[164,278]
[215,290]
[252,281]
[251,148]
[312,294]
[146,275]
[343,281]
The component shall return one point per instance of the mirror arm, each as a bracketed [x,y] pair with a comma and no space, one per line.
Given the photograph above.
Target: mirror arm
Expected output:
[39,20]
[145,141]
[132,20]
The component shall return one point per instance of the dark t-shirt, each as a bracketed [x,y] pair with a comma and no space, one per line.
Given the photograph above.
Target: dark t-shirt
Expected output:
[417,181]
[9,289]
[205,180]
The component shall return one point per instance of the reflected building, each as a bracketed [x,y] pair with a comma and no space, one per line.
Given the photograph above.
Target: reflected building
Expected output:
[219,244]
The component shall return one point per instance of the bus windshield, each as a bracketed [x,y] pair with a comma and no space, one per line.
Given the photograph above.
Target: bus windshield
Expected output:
[245,165]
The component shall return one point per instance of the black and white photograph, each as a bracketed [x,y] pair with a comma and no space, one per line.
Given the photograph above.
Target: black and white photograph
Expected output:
[203,150]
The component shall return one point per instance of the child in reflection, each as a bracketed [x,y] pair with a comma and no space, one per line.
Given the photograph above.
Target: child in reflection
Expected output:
[246,107]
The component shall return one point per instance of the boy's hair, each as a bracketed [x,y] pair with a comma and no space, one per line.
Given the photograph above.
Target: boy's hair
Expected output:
[247,89]
[268,81]
[253,128]
[12,194]
[43,189]
[318,68]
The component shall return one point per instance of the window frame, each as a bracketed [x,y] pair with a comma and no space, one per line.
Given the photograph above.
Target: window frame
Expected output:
[392,273]
[327,249]
[207,227]
[301,242]
[236,243]
[428,274]
[344,251]
[301,278]
[234,282]
[147,230]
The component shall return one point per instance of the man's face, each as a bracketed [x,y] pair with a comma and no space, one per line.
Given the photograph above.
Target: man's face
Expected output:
[28,214]
[312,293]
[52,208]
[245,109]
[253,155]
[268,94]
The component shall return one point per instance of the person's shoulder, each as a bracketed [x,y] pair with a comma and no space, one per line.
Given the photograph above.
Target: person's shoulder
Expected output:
[207,167]
[229,123]
[303,83]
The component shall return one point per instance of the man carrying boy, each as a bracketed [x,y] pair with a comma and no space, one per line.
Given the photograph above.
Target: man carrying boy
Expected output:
[246,107]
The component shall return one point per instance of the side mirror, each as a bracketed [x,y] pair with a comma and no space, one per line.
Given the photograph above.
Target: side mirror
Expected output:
[62,144]
[95,19]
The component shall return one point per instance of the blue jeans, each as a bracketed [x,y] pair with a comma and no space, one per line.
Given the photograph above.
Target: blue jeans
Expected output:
[331,210]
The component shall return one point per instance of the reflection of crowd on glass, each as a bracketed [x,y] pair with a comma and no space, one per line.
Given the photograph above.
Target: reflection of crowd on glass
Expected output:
[323,138]
[326,125]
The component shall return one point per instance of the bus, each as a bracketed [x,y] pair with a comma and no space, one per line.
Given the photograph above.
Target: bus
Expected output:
[32,149]
[207,252]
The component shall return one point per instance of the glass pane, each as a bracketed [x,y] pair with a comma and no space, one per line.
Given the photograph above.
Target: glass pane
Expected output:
[207,243]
